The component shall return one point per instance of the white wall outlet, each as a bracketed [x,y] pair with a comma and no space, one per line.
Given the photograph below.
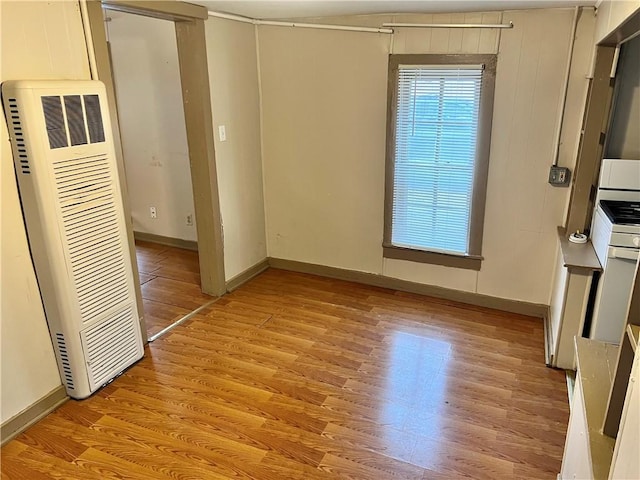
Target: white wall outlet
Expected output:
[222,133]
[190,220]
[153,213]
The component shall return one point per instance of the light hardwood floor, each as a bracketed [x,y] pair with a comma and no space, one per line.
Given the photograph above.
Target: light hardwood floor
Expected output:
[299,377]
[170,281]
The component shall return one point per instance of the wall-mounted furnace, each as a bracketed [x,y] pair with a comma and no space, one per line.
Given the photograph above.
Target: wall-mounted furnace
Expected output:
[67,176]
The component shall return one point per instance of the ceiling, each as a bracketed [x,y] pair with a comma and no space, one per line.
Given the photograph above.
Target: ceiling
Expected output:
[274,9]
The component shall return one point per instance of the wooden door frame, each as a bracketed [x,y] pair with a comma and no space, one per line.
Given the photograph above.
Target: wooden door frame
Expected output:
[194,76]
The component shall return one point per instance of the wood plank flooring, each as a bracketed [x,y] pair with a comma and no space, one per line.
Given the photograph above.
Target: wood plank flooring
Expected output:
[299,377]
[170,281]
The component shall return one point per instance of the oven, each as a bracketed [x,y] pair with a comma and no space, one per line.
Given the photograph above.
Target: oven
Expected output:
[615,234]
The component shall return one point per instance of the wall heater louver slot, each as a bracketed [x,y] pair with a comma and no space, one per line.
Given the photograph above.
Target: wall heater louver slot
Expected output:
[94,118]
[75,119]
[64,360]
[54,119]
[80,120]
[76,227]
[13,119]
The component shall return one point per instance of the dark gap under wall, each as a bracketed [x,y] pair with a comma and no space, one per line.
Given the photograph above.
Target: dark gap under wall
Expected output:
[624,131]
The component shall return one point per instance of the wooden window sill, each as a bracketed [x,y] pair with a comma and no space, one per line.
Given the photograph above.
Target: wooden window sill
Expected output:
[469,262]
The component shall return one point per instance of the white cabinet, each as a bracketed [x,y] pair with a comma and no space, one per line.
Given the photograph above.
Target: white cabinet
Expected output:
[575,265]
[576,463]
[626,456]
[588,452]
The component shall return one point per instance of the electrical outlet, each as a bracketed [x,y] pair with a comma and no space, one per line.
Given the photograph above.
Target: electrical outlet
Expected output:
[190,220]
[153,213]
[559,176]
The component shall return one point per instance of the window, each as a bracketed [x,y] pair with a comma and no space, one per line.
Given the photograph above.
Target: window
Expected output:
[439,131]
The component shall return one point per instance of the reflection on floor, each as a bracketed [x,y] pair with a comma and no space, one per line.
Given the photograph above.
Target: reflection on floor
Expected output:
[170,279]
[298,377]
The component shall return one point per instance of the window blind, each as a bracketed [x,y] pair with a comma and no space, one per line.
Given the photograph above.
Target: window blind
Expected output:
[436,128]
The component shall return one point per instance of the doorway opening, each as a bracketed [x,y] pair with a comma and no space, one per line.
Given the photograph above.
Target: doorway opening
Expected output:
[188,23]
[146,76]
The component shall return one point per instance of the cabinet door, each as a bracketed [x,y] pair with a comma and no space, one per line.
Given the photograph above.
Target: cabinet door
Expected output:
[576,462]
[626,461]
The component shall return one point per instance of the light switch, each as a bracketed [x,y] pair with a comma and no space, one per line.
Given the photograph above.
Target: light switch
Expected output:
[222,133]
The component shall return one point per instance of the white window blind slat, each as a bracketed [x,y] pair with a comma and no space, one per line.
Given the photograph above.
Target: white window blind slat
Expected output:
[436,128]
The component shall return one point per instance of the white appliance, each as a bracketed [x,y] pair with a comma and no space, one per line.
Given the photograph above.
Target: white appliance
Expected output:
[615,233]
[68,181]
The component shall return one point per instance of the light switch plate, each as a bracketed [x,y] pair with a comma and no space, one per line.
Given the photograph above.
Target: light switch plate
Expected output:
[222,133]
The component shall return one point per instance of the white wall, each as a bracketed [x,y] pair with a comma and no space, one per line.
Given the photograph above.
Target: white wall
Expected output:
[152,126]
[324,127]
[40,40]
[233,76]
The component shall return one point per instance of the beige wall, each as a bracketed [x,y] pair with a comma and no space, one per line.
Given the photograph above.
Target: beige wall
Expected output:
[40,40]
[153,131]
[324,101]
[233,75]
[324,115]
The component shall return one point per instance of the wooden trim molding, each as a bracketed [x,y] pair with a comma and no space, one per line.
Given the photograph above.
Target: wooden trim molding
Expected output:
[624,32]
[469,262]
[248,274]
[23,420]
[470,298]
[167,10]
[585,178]
[482,154]
[169,241]
[633,315]
[196,98]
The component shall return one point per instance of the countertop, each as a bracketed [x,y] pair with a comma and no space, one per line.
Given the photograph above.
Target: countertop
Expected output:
[578,255]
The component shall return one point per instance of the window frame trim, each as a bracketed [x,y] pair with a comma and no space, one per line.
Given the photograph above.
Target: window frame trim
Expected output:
[473,259]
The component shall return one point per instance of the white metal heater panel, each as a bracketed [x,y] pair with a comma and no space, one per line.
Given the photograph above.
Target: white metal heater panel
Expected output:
[65,163]
[92,231]
[109,345]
